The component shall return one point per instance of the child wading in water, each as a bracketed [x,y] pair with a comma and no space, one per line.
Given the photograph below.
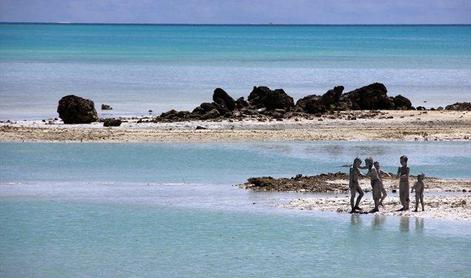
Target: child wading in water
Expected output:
[419,191]
[383,191]
[403,174]
[355,186]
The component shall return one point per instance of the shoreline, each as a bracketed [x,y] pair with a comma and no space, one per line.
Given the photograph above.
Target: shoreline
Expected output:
[391,125]
[437,206]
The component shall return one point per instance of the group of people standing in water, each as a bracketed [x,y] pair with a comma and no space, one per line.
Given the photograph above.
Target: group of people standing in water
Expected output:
[379,193]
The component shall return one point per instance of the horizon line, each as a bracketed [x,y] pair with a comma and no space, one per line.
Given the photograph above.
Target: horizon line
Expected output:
[238,24]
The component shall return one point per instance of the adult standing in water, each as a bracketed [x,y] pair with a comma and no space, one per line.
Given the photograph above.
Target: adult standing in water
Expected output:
[354,185]
[403,174]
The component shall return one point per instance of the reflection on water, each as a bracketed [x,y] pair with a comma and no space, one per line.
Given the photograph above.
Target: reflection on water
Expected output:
[355,219]
[419,224]
[404,224]
[379,221]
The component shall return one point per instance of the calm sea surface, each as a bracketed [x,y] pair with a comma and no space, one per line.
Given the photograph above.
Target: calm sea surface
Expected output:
[139,67]
[170,210]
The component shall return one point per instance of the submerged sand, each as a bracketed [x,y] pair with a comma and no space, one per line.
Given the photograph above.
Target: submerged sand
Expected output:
[386,125]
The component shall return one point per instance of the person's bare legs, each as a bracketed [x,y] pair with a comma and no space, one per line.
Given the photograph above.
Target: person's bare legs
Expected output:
[404,195]
[376,190]
[417,200]
[353,192]
[383,196]
[360,195]
[375,209]
[422,201]
[401,196]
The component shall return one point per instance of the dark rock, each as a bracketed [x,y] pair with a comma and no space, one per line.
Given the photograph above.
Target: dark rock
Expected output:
[320,183]
[421,108]
[200,127]
[211,115]
[241,103]
[311,104]
[314,104]
[106,107]
[183,114]
[277,115]
[111,122]
[174,116]
[76,110]
[459,106]
[224,99]
[402,103]
[168,114]
[206,107]
[263,97]
[373,96]
[198,111]
[332,97]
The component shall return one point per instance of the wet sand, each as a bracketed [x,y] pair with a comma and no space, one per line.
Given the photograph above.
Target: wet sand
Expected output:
[443,198]
[442,206]
[353,125]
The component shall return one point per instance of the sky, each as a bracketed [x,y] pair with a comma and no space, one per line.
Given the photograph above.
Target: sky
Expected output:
[239,11]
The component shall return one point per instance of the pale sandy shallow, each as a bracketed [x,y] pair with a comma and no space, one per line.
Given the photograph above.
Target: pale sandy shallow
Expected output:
[389,125]
[443,199]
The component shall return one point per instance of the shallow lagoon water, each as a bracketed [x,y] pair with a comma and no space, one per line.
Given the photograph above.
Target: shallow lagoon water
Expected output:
[120,210]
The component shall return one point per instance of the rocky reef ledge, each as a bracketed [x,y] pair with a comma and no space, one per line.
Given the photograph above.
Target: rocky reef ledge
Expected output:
[338,183]
[264,103]
[329,182]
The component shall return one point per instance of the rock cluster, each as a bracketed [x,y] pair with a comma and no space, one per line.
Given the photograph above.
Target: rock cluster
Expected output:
[459,106]
[76,110]
[299,183]
[330,182]
[277,104]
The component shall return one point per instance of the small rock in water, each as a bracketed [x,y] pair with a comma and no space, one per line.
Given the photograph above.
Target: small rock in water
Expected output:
[111,122]
[106,107]
[200,127]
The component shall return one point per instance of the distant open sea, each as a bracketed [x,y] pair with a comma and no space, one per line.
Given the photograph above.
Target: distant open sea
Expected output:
[135,68]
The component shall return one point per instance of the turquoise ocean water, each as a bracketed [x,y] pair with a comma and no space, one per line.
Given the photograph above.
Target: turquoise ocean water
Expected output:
[171,210]
[139,67]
